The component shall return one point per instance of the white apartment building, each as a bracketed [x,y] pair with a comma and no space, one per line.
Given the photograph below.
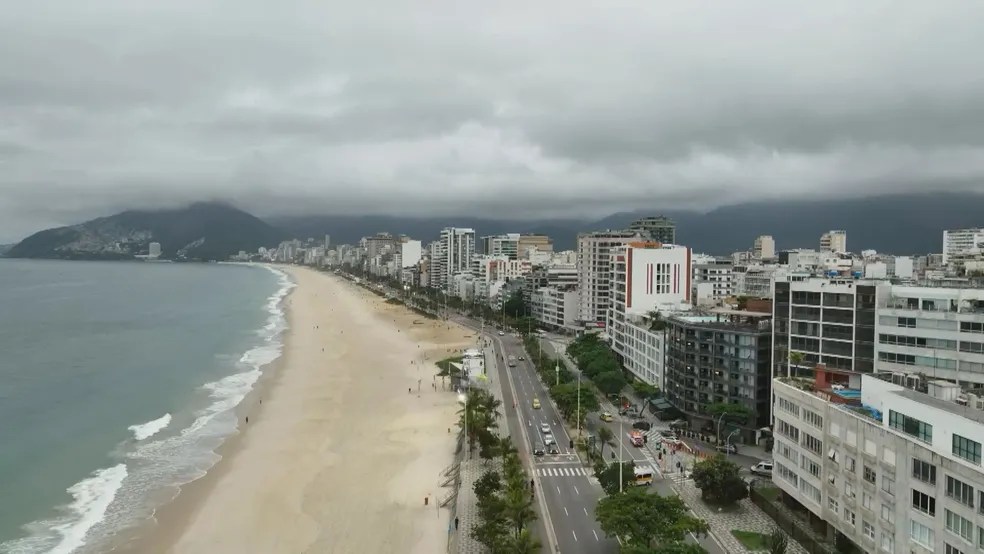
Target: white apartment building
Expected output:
[961,241]
[713,280]
[758,280]
[410,252]
[555,307]
[888,468]
[834,241]
[764,247]
[451,256]
[489,270]
[935,331]
[646,277]
[594,273]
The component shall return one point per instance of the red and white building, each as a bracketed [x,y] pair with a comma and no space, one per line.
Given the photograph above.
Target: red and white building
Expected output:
[646,277]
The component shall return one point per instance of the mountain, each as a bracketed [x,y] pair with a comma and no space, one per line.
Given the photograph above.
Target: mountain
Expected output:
[897,223]
[202,231]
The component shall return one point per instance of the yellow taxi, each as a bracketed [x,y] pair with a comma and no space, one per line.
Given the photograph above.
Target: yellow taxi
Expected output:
[605,416]
[536,403]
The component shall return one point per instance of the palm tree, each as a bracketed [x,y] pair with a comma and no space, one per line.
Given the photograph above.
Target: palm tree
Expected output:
[518,507]
[489,406]
[523,543]
[605,436]
[796,358]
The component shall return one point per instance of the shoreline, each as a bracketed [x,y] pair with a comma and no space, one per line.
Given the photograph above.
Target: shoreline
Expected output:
[307,489]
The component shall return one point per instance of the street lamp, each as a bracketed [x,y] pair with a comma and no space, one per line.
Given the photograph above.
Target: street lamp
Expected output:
[727,443]
[464,402]
[621,447]
[717,436]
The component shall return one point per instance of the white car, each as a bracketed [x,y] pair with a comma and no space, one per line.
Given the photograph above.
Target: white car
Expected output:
[501,334]
[762,468]
[548,439]
[545,428]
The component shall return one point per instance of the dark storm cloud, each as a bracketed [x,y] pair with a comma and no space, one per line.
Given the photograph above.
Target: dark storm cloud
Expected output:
[529,109]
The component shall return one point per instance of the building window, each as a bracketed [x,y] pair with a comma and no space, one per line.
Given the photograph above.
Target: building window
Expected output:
[888,513]
[810,466]
[888,542]
[810,491]
[967,449]
[971,327]
[788,406]
[787,474]
[888,485]
[787,430]
[924,471]
[923,502]
[849,517]
[866,500]
[813,418]
[960,491]
[870,475]
[868,529]
[910,426]
[812,443]
[833,505]
[980,537]
[959,525]
[907,322]
[950,549]
[850,464]
[922,535]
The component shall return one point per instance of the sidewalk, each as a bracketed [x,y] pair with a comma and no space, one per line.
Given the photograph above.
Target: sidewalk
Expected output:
[466,504]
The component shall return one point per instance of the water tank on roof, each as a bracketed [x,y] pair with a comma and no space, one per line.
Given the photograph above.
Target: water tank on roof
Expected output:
[857,274]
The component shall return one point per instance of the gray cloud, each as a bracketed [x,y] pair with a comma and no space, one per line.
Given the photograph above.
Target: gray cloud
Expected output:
[554,109]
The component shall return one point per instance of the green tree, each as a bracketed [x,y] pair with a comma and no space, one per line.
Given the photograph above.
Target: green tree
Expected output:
[516,306]
[610,382]
[778,541]
[719,481]
[605,437]
[645,390]
[522,543]
[640,519]
[608,475]
[488,484]
[796,360]
[671,548]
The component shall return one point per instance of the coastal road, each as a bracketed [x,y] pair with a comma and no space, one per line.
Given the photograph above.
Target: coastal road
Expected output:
[569,489]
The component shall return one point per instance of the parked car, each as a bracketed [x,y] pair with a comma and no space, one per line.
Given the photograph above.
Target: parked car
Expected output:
[642,425]
[762,468]
[606,416]
[538,449]
[502,333]
[544,427]
[727,448]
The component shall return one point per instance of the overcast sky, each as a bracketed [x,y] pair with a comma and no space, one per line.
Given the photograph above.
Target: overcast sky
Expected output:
[518,108]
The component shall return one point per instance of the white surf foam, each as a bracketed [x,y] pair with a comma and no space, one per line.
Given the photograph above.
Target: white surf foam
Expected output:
[146,430]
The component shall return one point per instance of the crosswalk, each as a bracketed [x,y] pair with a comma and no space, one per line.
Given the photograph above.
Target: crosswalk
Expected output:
[561,471]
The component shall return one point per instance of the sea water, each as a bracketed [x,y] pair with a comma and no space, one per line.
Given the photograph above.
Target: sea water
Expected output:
[117,383]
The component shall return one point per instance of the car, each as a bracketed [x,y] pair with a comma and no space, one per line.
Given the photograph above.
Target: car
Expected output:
[762,468]
[727,448]
[548,439]
[553,449]
[538,450]
[522,358]
[502,333]
[642,425]
[606,416]
[545,427]
[536,403]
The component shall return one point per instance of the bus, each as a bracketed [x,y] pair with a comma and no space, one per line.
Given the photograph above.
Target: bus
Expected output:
[643,476]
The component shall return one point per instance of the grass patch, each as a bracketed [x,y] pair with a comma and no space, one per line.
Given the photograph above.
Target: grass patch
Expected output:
[770,493]
[752,541]
[446,367]
[394,301]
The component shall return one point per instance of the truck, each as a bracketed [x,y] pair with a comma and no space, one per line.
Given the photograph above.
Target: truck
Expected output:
[637,438]
[512,361]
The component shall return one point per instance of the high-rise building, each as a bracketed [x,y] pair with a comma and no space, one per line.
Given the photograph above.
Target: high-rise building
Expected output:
[452,255]
[501,245]
[828,321]
[658,228]
[541,243]
[958,242]
[834,241]
[764,248]
[154,250]
[594,270]
[327,243]
[713,280]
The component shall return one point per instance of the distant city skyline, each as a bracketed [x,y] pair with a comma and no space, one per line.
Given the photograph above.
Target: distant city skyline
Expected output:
[554,110]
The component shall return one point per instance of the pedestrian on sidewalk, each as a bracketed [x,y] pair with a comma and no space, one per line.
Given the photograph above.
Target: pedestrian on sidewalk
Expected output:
[455,523]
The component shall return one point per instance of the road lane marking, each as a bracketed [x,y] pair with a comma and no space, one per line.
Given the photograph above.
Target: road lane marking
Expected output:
[565,512]
[558,489]
[575,535]
[585,511]
[576,491]
[595,534]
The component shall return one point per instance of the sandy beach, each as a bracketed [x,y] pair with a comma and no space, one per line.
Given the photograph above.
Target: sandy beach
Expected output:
[337,456]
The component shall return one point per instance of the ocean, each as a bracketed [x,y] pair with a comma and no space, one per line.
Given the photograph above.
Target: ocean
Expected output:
[117,383]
